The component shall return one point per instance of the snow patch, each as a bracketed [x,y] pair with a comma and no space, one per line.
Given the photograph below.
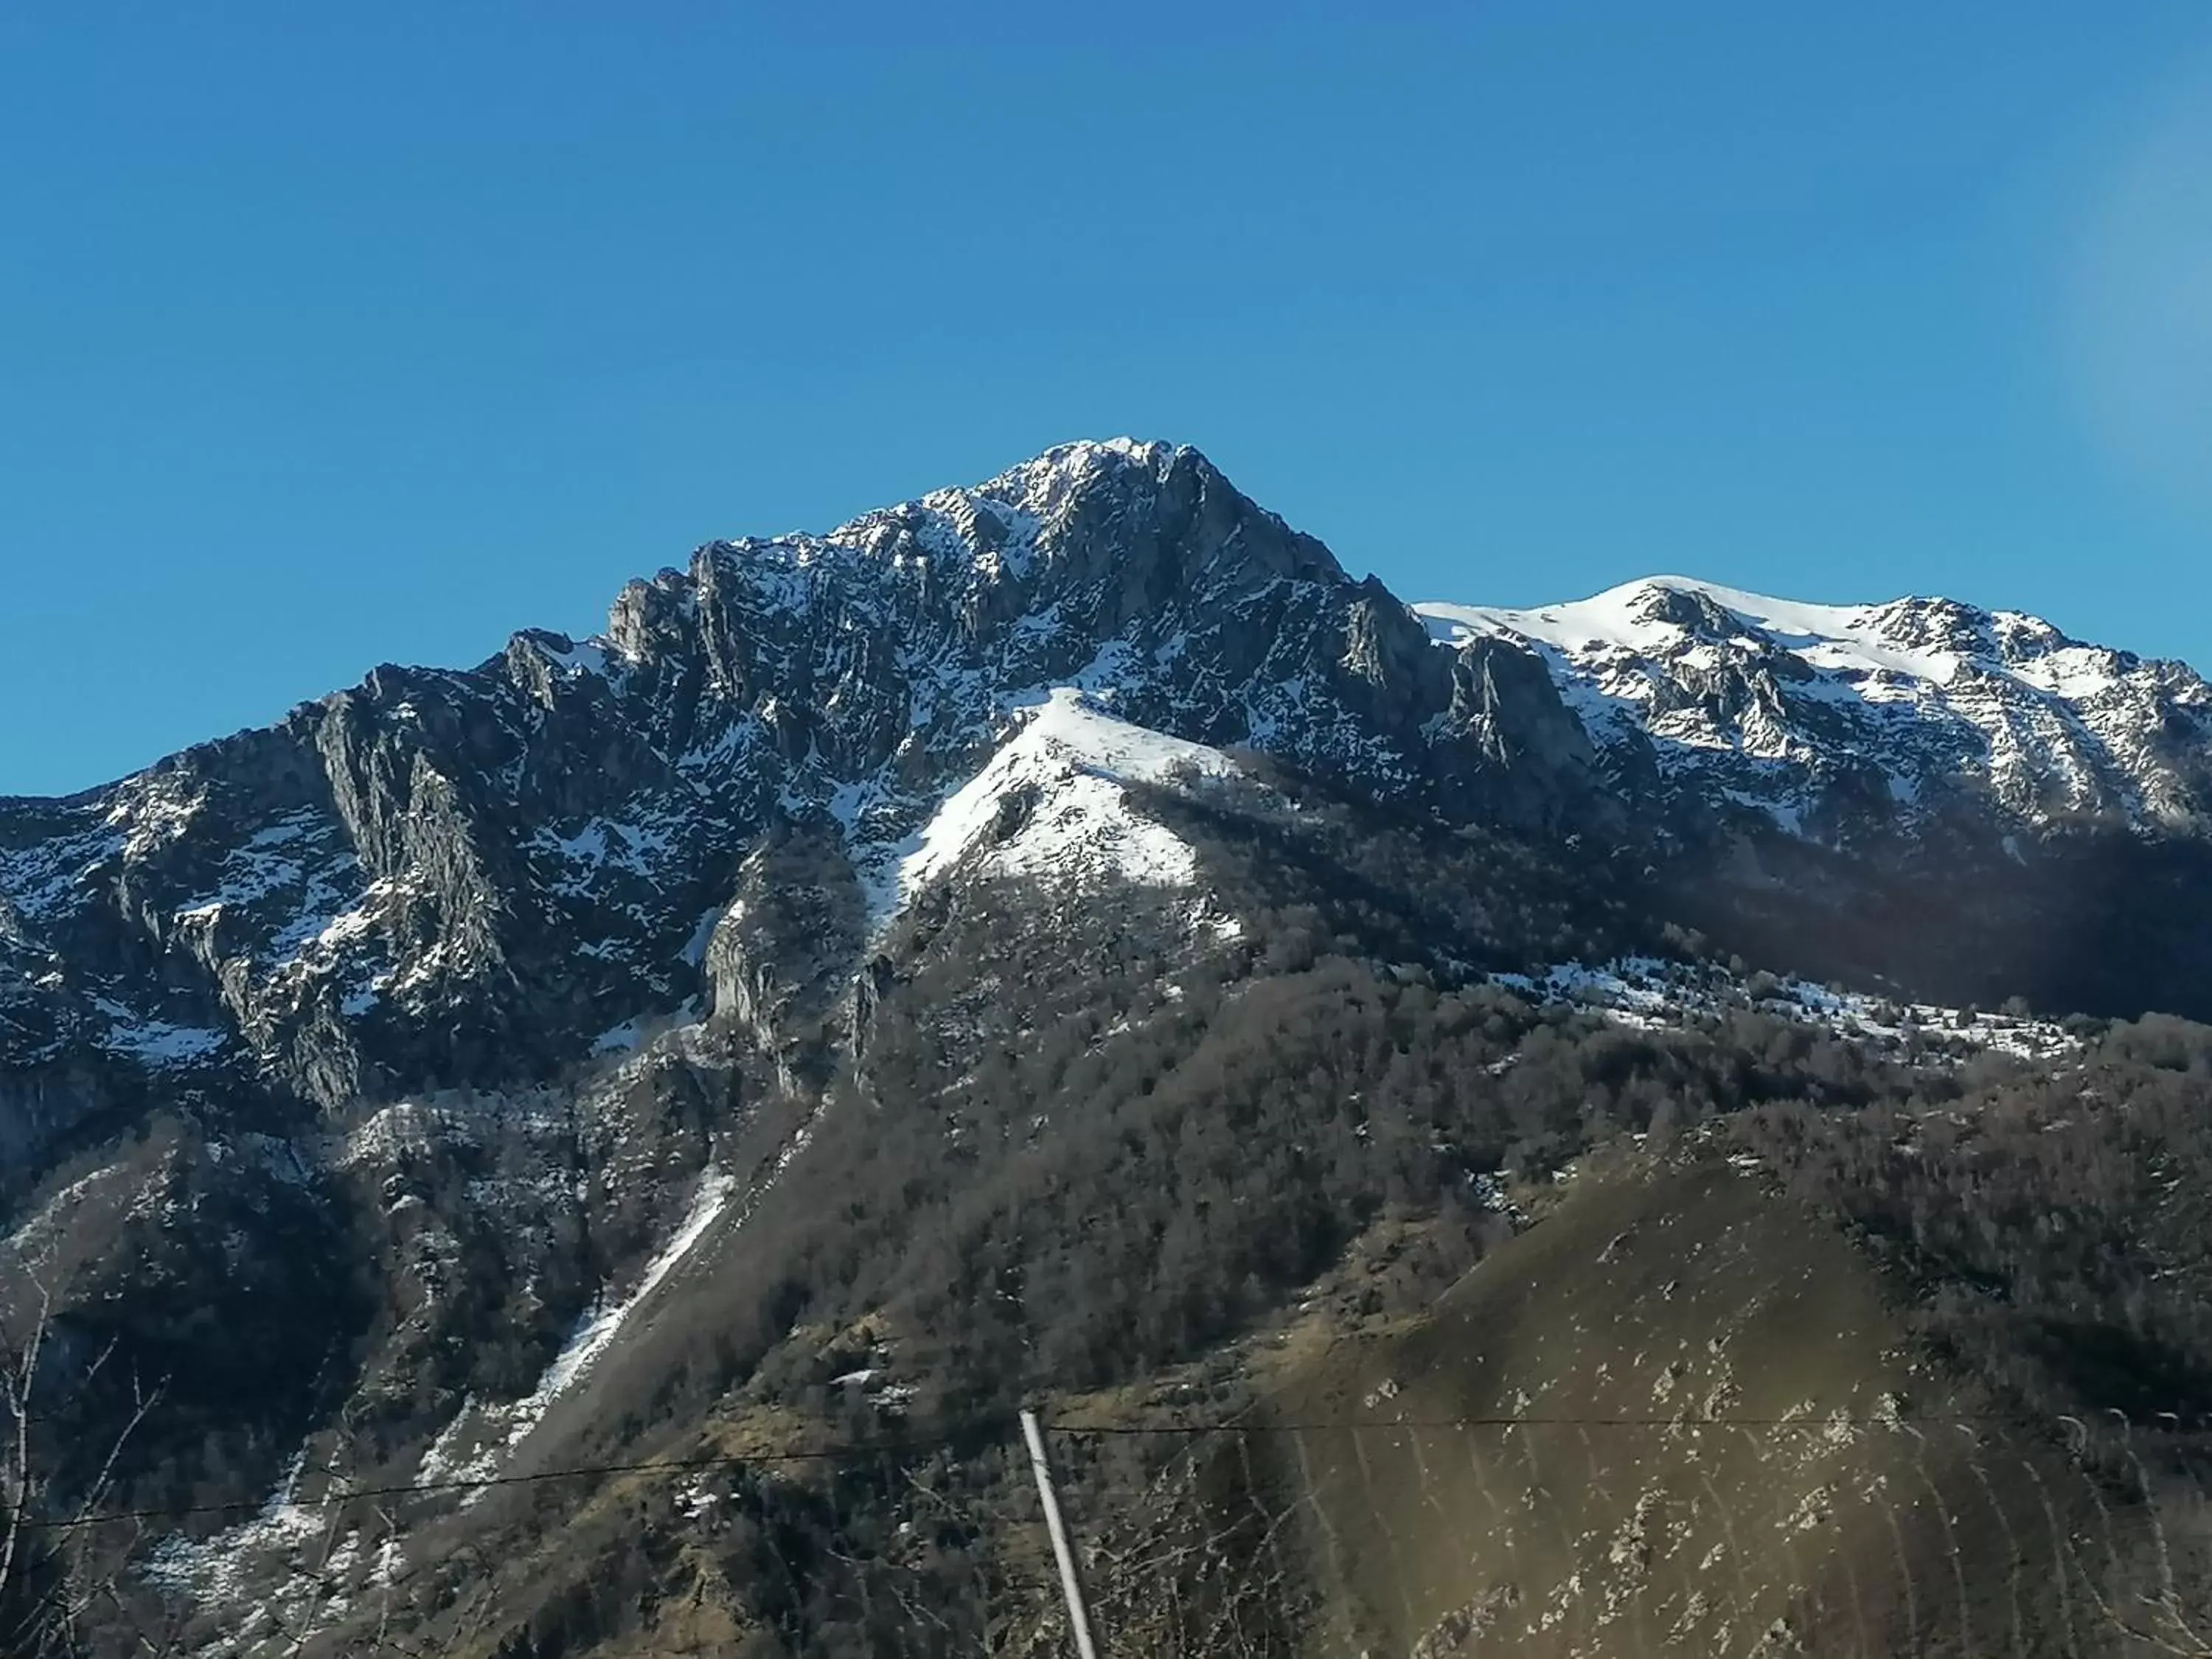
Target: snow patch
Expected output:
[1788,698]
[619,1039]
[214,1569]
[156,1042]
[402,1130]
[578,657]
[694,948]
[500,1429]
[1653,994]
[640,848]
[1053,803]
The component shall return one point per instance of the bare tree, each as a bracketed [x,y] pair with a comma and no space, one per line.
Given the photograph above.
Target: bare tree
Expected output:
[59,1560]
[2158,1595]
[1202,1563]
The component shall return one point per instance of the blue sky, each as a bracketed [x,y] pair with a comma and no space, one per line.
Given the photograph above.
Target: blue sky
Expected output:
[334,335]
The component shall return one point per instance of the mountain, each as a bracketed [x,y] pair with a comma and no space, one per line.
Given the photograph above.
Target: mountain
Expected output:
[1066,938]
[1836,721]
[544,844]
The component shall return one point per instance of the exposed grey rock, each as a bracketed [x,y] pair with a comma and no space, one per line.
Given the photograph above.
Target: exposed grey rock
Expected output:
[780,964]
[442,877]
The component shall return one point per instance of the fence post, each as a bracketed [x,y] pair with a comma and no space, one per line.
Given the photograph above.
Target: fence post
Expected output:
[1078,1619]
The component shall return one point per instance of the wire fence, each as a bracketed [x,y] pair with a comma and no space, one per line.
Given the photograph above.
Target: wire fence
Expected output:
[1987,1537]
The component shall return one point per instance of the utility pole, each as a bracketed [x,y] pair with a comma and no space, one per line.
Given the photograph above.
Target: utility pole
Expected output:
[1077,1619]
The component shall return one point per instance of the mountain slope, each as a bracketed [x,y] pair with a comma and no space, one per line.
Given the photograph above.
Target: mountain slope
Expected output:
[410,882]
[1736,1474]
[1020,942]
[1947,803]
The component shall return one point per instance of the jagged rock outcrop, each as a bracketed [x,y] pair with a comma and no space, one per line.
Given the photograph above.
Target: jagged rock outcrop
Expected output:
[441,876]
[781,963]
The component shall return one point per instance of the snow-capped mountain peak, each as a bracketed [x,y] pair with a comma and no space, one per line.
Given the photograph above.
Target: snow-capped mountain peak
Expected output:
[999,525]
[554,831]
[543,843]
[1917,639]
[1812,712]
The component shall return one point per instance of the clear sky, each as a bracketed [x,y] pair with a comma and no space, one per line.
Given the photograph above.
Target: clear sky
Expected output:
[338,334]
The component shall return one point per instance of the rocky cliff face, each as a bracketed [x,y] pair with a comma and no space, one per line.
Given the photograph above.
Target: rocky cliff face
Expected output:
[442,877]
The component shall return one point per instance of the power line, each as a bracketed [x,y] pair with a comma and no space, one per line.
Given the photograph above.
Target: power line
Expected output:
[1341,1424]
[987,1508]
[854,1451]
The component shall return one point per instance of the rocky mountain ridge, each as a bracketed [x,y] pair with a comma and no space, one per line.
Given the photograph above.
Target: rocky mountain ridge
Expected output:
[431,1081]
[1830,718]
[547,841]
[416,880]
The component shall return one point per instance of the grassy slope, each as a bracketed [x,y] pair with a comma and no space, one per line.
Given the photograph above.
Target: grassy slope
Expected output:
[1611,1521]
[1652,1424]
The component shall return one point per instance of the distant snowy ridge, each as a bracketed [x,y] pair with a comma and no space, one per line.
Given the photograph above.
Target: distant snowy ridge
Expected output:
[1911,705]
